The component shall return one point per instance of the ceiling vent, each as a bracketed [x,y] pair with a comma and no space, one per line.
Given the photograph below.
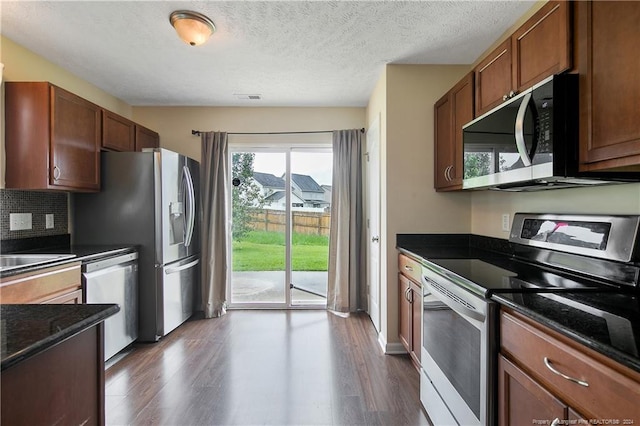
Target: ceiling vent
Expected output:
[248,97]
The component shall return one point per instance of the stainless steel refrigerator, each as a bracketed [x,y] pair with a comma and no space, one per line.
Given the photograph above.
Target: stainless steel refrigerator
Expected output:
[150,199]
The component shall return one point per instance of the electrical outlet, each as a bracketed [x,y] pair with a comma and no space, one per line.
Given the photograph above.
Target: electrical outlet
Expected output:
[505,222]
[19,221]
[49,221]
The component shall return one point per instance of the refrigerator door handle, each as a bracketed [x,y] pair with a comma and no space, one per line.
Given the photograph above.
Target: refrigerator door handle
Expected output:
[169,271]
[189,194]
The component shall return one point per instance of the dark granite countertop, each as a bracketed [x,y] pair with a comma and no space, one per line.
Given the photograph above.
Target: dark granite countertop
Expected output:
[608,322]
[82,253]
[605,322]
[28,330]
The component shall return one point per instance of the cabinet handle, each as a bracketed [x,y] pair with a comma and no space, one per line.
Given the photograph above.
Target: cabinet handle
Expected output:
[406,294]
[555,422]
[408,268]
[451,169]
[56,172]
[447,176]
[409,293]
[564,376]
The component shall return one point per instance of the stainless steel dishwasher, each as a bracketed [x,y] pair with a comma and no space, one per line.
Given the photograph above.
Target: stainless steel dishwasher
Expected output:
[114,280]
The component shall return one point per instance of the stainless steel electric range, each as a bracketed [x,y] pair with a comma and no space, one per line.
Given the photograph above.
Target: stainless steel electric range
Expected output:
[583,266]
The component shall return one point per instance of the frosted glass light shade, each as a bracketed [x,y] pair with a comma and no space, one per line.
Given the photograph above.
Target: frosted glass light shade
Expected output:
[192,27]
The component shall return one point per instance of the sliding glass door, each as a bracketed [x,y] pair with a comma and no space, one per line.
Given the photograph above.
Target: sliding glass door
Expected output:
[280,227]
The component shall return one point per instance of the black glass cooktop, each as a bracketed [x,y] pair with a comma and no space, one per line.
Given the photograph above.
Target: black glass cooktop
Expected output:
[509,275]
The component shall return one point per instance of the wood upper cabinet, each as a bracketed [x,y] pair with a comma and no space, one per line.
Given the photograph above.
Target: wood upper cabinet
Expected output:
[118,133]
[608,36]
[52,138]
[146,138]
[540,48]
[493,77]
[540,366]
[452,111]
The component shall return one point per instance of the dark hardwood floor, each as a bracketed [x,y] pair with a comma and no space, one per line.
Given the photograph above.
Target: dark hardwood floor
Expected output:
[265,367]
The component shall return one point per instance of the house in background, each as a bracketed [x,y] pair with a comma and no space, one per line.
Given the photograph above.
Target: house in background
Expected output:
[268,183]
[278,201]
[327,193]
[305,187]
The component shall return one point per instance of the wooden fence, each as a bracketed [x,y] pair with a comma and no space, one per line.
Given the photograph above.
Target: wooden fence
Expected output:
[315,223]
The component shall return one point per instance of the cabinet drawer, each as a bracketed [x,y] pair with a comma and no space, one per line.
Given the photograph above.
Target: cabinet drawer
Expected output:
[613,391]
[40,286]
[410,268]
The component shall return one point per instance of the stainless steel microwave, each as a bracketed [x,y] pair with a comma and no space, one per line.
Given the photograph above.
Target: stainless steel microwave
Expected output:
[529,142]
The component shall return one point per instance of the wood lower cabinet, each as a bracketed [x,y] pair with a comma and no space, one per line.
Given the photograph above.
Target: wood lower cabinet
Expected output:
[118,133]
[410,307]
[58,284]
[540,48]
[452,111]
[547,375]
[608,35]
[61,385]
[52,138]
[146,138]
[523,400]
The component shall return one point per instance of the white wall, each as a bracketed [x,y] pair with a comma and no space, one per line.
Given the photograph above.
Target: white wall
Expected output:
[488,206]
[409,201]
[175,123]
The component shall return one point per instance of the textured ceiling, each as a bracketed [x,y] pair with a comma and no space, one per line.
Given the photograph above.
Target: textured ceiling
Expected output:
[292,53]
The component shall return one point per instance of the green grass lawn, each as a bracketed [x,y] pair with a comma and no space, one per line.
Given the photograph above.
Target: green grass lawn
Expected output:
[264,251]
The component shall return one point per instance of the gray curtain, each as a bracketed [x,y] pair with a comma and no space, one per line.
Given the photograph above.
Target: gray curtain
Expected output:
[214,176]
[347,286]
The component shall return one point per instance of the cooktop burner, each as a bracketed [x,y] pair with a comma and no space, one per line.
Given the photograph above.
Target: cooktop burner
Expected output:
[514,276]
[553,254]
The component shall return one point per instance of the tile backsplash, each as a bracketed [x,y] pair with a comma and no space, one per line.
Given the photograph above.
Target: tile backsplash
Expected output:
[37,203]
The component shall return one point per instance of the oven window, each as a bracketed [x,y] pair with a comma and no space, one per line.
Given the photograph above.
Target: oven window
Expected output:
[454,344]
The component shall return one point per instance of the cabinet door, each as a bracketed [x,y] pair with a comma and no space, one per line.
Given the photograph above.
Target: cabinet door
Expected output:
[118,133]
[146,138]
[443,142]
[404,309]
[522,401]
[416,322]
[72,298]
[608,37]
[463,111]
[493,78]
[542,46]
[75,142]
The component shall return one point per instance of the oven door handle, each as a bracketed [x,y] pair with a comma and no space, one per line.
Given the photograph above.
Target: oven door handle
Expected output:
[453,303]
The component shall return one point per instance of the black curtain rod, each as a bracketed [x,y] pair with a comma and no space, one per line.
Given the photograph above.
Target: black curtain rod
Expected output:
[198,132]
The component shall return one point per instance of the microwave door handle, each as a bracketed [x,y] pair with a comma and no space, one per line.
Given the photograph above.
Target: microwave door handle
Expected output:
[520,143]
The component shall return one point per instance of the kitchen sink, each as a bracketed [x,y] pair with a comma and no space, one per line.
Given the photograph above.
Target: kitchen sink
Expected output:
[14,261]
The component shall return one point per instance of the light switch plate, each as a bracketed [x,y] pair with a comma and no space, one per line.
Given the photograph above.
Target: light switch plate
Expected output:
[49,221]
[19,221]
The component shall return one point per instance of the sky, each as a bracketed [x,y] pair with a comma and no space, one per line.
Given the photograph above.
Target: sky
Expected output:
[317,164]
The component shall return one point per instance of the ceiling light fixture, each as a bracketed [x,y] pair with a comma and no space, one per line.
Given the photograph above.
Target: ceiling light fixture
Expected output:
[192,27]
